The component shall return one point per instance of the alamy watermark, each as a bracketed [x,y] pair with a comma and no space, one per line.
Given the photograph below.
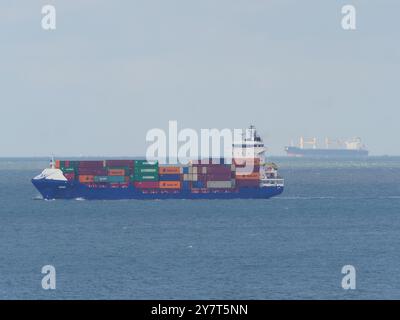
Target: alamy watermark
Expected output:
[49,280]
[179,146]
[349,280]
[49,17]
[348,21]
[349,17]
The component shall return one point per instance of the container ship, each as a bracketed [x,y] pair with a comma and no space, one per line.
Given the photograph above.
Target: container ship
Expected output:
[245,176]
[352,148]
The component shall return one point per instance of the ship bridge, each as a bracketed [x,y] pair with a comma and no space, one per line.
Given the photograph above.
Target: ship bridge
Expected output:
[250,145]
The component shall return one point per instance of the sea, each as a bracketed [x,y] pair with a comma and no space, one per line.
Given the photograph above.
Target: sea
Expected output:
[332,214]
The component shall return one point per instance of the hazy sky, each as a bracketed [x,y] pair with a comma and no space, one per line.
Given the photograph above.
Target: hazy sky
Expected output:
[112,70]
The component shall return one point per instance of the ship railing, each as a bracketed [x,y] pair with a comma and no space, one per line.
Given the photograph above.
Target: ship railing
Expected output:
[273,182]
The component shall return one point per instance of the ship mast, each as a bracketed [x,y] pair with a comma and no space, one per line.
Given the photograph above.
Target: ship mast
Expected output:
[52,162]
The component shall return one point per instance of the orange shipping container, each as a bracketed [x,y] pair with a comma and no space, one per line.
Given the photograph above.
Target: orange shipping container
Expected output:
[57,164]
[116,172]
[169,170]
[170,184]
[251,176]
[86,178]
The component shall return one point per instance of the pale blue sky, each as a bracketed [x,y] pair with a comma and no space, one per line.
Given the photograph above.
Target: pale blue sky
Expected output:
[115,69]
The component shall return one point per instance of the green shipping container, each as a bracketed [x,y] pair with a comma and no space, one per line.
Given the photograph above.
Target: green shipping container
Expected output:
[146,170]
[146,178]
[72,164]
[68,170]
[116,179]
[145,163]
[111,179]
[139,174]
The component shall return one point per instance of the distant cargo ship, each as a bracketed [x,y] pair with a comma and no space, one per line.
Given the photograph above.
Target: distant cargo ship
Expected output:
[244,178]
[352,148]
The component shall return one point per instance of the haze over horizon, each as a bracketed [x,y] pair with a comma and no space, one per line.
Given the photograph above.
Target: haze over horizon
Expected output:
[109,73]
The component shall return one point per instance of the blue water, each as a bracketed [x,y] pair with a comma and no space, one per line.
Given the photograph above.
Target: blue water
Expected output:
[291,247]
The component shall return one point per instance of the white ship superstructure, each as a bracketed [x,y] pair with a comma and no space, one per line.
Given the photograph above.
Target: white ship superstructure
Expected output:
[252,146]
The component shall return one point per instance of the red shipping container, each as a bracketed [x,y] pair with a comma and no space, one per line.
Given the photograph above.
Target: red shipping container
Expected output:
[120,163]
[69,176]
[221,169]
[247,183]
[91,164]
[219,177]
[215,177]
[146,184]
[93,171]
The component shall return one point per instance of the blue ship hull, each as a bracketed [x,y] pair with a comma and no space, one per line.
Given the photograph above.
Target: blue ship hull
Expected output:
[55,189]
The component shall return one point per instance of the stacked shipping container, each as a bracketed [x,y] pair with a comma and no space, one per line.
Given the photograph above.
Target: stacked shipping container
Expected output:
[247,173]
[145,175]
[114,173]
[200,175]
[170,177]
[206,174]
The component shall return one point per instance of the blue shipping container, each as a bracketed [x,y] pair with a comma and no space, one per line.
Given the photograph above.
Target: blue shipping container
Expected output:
[169,177]
[198,184]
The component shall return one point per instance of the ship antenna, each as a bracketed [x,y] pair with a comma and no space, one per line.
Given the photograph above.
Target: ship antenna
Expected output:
[52,162]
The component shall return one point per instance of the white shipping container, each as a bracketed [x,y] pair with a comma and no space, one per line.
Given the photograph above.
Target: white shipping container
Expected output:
[189,177]
[219,184]
[192,169]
